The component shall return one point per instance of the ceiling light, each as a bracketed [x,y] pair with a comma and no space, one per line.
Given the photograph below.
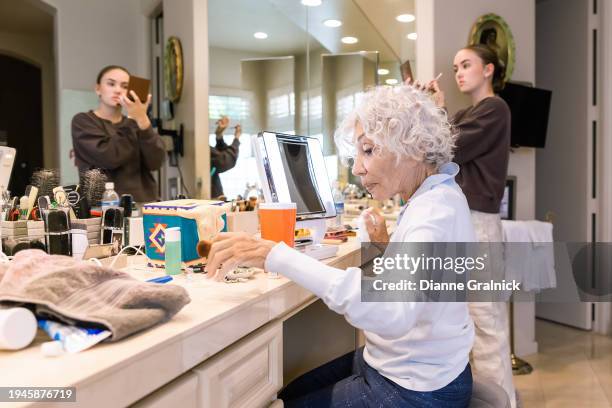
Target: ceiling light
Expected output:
[260,36]
[332,23]
[349,40]
[311,3]
[391,81]
[405,18]
[383,71]
[412,36]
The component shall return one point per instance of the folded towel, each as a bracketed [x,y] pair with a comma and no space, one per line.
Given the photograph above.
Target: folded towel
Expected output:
[531,263]
[539,232]
[82,293]
[515,231]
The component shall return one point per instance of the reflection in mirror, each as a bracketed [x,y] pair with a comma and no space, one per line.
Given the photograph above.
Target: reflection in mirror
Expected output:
[269,84]
[246,37]
[345,78]
[253,53]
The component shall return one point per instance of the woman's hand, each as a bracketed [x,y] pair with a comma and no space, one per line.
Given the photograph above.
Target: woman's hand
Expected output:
[433,87]
[436,94]
[232,249]
[136,109]
[415,84]
[375,225]
[237,131]
[222,124]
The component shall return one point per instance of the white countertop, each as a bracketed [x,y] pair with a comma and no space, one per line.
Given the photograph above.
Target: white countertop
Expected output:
[219,314]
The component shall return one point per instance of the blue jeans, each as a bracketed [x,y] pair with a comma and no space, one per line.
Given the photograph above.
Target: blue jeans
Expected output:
[349,381]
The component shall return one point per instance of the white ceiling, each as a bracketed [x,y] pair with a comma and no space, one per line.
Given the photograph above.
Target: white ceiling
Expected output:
[382,14]
[25,17]
[233,22]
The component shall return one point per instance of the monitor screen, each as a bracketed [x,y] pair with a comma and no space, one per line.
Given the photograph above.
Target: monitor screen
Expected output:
[292,169]
[300,176]
[529,108]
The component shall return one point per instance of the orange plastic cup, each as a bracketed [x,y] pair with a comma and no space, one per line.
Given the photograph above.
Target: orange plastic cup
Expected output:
[277,222]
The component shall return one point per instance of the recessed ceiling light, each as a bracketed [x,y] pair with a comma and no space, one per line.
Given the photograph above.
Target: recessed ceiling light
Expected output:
[332,23]
[412,36]
[311,3]
[383,71]
[391,81]
[349,40]
[260,36]
[405,18]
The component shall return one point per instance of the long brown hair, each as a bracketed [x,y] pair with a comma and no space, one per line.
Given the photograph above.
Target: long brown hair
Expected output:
[109,68]
[488,56]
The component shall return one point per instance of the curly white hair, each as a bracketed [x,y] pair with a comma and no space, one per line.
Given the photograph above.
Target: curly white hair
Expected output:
[402,119]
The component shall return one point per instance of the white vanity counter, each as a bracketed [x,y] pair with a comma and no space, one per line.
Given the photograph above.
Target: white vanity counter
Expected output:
[121,373]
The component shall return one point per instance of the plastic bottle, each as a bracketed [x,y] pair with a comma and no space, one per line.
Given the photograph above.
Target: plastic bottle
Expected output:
[110,198]
[338,202]
[173,250]
[17,328]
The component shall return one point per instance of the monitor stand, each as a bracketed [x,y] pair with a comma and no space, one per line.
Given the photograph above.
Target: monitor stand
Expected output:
[317,250]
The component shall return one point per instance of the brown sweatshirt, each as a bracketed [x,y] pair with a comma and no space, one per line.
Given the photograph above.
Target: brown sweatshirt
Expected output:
[222,158]
[125,152]
[482,152]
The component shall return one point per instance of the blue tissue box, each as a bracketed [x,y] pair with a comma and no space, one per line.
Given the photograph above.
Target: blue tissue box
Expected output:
[197,219]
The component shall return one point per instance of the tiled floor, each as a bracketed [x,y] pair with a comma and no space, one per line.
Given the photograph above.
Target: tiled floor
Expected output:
[573,368]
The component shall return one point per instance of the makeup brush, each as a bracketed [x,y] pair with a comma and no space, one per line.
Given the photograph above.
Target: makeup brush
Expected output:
[62,200]
[23,207]
[203,248]
[31,192]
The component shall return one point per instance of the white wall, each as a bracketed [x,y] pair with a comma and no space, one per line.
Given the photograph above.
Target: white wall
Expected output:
[187,20]
[225,66]
[38,50]
[90,34]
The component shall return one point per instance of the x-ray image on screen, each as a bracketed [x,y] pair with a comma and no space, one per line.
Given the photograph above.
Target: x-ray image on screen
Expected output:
[300,177]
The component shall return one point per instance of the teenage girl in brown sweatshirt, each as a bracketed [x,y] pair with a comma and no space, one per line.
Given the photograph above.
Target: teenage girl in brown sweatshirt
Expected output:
[482,152]
[126,148]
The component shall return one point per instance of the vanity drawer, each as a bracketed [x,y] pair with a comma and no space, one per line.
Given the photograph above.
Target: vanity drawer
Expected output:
[181,392]
[246,374]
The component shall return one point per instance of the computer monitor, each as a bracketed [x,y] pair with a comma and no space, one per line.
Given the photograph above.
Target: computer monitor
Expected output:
[292,169]
[7,159]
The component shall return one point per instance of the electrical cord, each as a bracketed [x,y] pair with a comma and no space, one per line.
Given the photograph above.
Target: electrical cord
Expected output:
[116,257]
[137,249]
[178,166]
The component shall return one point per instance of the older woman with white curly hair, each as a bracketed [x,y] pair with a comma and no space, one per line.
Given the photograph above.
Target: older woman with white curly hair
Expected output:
[416,353]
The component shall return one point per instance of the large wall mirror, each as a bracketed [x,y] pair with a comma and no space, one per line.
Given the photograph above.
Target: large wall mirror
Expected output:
[298,67]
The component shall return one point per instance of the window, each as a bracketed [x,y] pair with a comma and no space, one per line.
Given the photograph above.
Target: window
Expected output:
[315,105]
[346,101]
[282,106]
[235,105]
[281,110]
